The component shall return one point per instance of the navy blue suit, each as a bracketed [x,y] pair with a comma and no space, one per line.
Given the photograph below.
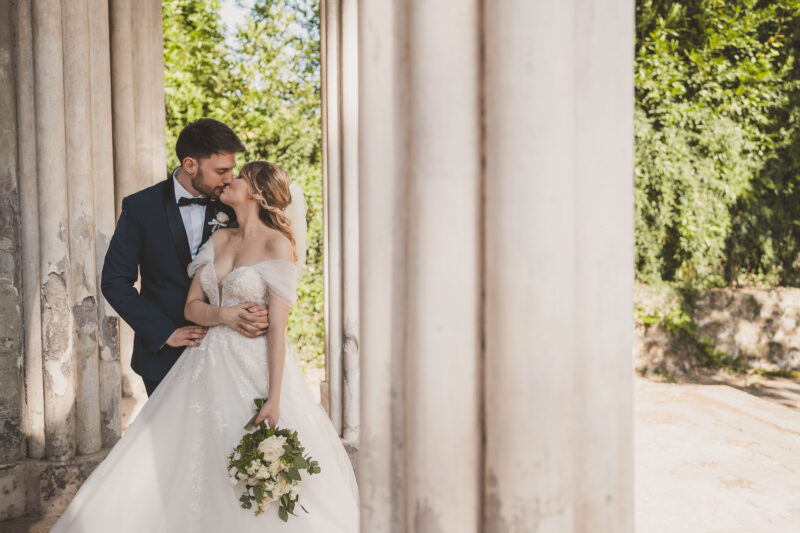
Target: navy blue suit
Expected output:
[150,239]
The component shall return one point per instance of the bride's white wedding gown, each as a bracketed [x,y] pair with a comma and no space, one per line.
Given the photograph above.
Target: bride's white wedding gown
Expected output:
[168,473]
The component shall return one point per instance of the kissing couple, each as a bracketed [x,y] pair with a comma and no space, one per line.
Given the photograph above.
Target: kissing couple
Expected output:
[217,255]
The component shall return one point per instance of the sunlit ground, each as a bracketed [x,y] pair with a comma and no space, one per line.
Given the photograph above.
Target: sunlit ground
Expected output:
[719,457]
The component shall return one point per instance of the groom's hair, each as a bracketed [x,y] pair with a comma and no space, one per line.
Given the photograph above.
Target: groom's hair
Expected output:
[205,137]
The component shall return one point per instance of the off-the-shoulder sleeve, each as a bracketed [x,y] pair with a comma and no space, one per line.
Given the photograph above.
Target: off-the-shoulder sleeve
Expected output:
[281,278]
[204,256]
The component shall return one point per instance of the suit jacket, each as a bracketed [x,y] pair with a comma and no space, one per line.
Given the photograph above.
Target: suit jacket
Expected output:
[150,240]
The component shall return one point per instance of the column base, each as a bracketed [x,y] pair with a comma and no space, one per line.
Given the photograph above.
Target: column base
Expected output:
[35,489]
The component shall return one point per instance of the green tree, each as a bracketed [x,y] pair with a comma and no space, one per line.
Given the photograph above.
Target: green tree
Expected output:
[715,83]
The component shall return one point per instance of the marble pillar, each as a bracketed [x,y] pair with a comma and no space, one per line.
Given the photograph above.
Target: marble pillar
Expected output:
[104,216]
[12,332]
[141,11]
[158,107]
[332,209]
[350,240]
[83,293]
[340,390]
[29,216]
[55,273]
[496,245]
[60,389]
[128,165]
[382,201]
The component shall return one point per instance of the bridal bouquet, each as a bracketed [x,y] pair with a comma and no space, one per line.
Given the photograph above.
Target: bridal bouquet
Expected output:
[269,461]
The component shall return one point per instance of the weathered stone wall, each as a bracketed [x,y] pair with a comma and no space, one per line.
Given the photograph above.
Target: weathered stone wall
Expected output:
[756,328]
[60,372]
[12,440]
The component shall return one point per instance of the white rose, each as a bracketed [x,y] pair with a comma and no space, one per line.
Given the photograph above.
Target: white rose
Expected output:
[272,448]
[222,217]
[283,486]
[275,467]
[263,473]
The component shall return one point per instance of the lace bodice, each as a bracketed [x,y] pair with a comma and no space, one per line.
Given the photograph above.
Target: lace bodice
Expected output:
[247,283]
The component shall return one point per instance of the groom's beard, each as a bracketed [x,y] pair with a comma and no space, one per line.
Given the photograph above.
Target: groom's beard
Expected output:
[199,183]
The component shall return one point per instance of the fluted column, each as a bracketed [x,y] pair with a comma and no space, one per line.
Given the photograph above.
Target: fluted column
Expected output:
[29,213]
[443,285]
[558,266]
[104,216]
[127,164]
[122,88]
[495,192]
[351,332]
[381,467]
[78,117]
[12,437]
[141,11]
[605,272]
[433,281]
[159,121]
[332,209]
[54,275]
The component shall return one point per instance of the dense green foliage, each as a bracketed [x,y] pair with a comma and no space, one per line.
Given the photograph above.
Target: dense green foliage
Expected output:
[266,86]
[717,141]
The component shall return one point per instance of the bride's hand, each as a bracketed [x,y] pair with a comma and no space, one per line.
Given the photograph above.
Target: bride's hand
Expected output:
[268,413]
[229,316]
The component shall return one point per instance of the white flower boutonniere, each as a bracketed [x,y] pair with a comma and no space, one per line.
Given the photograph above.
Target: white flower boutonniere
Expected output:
[221,220]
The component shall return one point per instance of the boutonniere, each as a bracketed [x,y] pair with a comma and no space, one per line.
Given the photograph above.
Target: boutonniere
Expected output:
[221,220]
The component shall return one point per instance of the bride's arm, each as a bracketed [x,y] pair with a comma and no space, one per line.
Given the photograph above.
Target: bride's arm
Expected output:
[276,357]
[198,311]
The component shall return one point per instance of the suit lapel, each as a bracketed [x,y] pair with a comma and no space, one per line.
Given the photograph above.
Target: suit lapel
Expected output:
[176,224]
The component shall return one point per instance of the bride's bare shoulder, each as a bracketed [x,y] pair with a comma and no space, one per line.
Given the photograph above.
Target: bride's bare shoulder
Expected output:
[278,246]
[221,235]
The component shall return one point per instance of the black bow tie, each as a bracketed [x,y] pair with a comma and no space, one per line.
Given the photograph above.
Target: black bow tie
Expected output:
[200,200]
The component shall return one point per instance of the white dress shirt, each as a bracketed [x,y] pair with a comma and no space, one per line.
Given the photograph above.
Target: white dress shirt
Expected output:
[193,216]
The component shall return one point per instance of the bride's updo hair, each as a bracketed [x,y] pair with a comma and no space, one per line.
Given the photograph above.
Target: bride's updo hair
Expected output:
[269,186]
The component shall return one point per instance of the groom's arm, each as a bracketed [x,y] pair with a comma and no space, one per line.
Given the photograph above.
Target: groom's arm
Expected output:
[120,272]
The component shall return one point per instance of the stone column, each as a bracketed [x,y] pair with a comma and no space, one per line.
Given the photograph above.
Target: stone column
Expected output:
[122,89]
[159,120]
[29,211]
[143,91]
[127,166]
[78,118]
[558,256]
[340,185]
[442,356]
[350,274]
[604,203]
[332,210]
[57,321]
[12,437]
[104,217]
[381,468]
[495,163]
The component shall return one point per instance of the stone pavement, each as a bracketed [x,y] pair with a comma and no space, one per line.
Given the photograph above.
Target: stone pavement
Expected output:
[723,456]
[718,457]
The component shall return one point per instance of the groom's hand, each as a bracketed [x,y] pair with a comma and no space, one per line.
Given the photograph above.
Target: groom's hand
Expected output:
[253,320]
[187,336]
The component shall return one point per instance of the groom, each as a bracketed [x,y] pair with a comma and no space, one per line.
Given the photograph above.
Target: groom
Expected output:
[159,231]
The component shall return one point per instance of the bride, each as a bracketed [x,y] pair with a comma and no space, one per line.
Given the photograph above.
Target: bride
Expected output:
[169,471]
